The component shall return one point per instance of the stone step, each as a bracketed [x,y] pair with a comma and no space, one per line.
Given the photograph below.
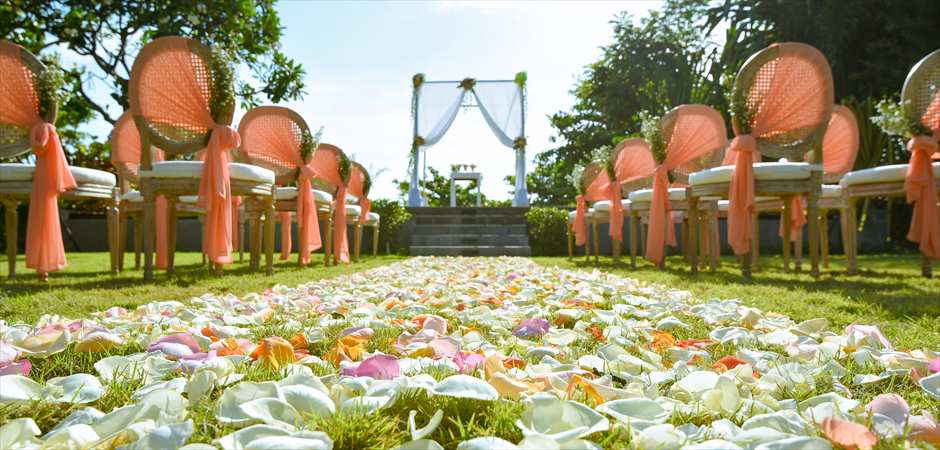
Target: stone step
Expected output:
[470,250]
[470,239]
[468,211]
[460,219]
[469,229]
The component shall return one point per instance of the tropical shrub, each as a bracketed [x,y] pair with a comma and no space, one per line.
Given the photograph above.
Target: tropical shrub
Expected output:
[393,215]
[547,228]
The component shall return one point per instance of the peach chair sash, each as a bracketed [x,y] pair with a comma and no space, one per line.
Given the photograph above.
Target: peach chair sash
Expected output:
[839,150]
[19,108]
[692,133]
[922,103]
[633,161]
[170,92]
[357,188]
[596,184]
[125,157]
[325,163]
[787,99]
[272,138]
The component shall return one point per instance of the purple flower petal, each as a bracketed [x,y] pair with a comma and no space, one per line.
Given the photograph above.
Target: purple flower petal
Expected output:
[177,345]
[934,366]
[7,353]
[531,328]
[380,367]
[189,364]
[468,362]
[21,367]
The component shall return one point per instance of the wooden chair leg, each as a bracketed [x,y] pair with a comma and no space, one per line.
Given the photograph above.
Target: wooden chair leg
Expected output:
[785,218]
[812,218]
[254,257]
[357,240]
[148,232]
[241,237]
[824,237]
[375,240]
[121,238]
[716,239]
[269,215]
[615,250]
[11,219]
[138,239]
[597,241]
[694,232]
[171,235]
[328,252]
[683,241]
[926,268]
[634,218]
[755,243]
[798,252]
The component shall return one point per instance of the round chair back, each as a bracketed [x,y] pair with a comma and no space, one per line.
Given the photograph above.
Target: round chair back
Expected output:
[276,138]
[20,102]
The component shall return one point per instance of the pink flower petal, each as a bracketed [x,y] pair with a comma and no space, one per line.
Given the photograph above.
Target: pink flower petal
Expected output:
[438,324]
[934,366]
[380,367]
[925,428]
[446,347]
[359,332]
[21,367]
[8,353]
[871,331]
[891,405]
[175,346]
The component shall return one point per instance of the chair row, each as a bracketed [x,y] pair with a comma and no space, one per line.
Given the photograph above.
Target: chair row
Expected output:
[792,154]
[177,154]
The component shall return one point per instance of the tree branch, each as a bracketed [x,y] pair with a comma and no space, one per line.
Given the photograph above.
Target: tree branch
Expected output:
[98,108]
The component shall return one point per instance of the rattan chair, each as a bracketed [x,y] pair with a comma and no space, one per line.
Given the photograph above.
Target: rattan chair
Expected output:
[921,98]
[333,171]
[16,179]
[125,158]
[178,109]
[277,138]
[782,101]
[693,138]
[360,214]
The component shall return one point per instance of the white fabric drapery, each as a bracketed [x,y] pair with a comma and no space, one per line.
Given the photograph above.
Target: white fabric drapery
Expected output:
[438,105]
[501,105]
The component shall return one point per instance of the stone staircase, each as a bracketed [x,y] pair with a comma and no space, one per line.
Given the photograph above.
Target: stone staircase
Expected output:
[469,232]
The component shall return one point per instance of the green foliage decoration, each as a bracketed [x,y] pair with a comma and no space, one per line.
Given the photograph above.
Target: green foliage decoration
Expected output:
[50,84]
[222,89]
[521,79]
[309,142]
[345,166]
[893,121]
[653,133]
[547,227]
[468,83]
[417,80]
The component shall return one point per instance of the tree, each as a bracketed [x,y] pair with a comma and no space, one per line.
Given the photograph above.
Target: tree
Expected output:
[105,35]
[662,62]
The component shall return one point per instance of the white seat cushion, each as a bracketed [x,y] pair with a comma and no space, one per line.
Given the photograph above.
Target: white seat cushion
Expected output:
[135,196]
[604,205]
[883,174]
[290,193]
[588,214]
[353,210]
[831,191]
[82,175]
[646,195]
[132,196]
[762,171]
[350,200]
[723,205]
[193,169]
[372,219]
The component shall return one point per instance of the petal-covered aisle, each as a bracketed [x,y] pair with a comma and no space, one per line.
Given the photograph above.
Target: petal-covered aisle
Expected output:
[472,353]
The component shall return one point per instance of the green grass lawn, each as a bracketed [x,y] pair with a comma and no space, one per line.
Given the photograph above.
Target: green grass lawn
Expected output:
[888,291]
[87,286]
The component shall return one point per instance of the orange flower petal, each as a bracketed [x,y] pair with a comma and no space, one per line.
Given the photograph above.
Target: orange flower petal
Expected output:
[848,435]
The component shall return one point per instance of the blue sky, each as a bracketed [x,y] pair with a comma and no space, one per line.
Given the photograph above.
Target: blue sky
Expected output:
[360,57]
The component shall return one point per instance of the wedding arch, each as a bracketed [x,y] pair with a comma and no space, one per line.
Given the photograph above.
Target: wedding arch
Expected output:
[435,104]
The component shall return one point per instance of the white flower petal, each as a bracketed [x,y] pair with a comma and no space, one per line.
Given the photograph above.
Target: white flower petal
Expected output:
[18,433]
[17,388]
[631,410]
[78,388]
[486,443]
[229,411]
[465,386]
[272,411]
[931,385]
